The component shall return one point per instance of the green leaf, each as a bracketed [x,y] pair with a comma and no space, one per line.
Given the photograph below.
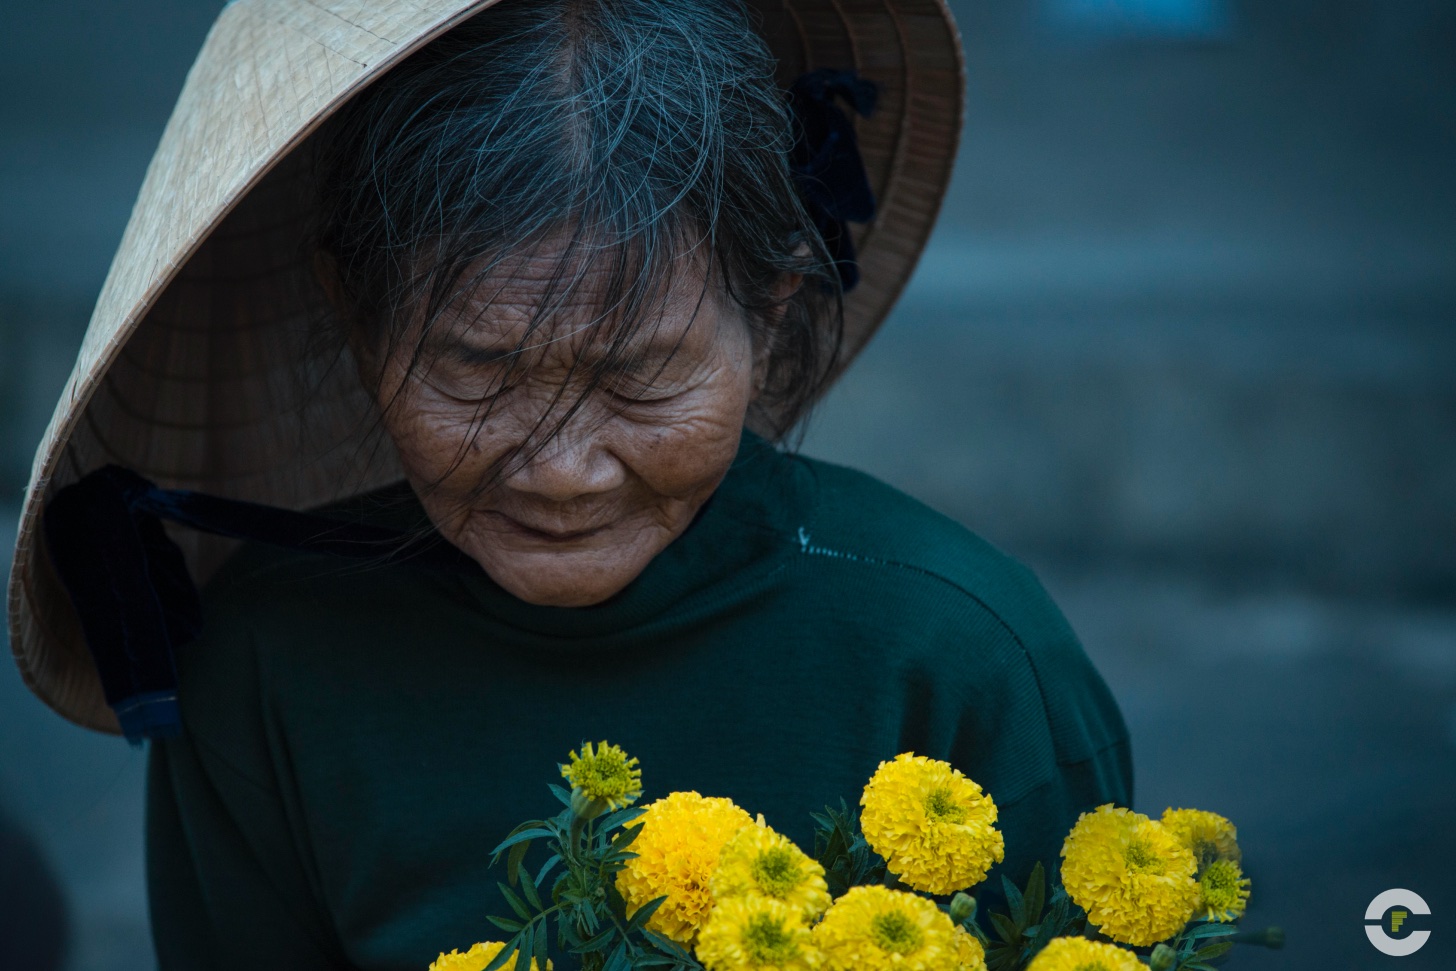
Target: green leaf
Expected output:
[523,955]
[1002,957]
[1211,951]
[624,838]
[644,913]
[833,833]
[1014,899]
[1209,930]
[500,959]
[1006,928]
[539,952]
[1035,897]
[528,887]
[617,961]
[528,824]
[664,944]
[621,817]
[546,868]
[561,794]
[507,925]
[673,953]
[536,832]
[1197,966]
[513,861]
[595,943]
[1051,926]
[516,903]
[615,904]
[841,849]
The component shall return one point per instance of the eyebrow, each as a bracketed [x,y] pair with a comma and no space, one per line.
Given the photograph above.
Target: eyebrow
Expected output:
[658,350]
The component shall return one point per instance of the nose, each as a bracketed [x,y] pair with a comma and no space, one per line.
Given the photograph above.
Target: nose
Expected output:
[572,464]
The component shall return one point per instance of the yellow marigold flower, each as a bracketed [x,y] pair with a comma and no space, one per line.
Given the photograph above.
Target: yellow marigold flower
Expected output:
[606,775]
[1131,876]
[875,929]
[758,861]
[1080,954]
[755,933]
[682,836]
[934,827]
[1223,892]
[1208,836]
[969,954]
[475,959]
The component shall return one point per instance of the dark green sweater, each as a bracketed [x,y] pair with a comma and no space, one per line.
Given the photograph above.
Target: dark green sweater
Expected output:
[358,737]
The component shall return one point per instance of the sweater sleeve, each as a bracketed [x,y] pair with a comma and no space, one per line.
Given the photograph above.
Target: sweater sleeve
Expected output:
[1063,740]
[218,898]
[1036,823]
[227,874]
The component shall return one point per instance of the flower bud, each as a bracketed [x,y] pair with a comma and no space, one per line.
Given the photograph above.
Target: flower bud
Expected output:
[1162,958]
[1270,937]
[962,908]
[1273,938]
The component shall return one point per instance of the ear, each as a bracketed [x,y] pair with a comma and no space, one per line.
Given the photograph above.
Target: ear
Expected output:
[762,355]
[788,285]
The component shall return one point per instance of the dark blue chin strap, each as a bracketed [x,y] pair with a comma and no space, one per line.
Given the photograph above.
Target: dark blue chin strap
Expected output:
[132,591]
[129,582]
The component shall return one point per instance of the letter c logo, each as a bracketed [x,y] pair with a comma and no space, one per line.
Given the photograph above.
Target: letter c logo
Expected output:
[1410,901]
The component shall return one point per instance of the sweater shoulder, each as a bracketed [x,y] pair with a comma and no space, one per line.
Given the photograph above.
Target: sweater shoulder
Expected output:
[861,519]
[943,582]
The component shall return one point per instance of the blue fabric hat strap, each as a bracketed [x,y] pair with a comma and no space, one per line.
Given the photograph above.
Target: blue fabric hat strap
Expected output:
[134,596]
[826,162]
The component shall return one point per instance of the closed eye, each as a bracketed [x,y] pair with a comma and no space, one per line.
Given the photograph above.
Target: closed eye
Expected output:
[474,387]
[634,390]
[642,379]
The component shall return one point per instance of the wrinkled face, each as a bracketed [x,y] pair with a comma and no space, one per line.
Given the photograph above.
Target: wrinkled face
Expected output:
[580,519]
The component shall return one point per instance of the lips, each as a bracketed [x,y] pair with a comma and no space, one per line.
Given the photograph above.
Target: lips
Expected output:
[551,534]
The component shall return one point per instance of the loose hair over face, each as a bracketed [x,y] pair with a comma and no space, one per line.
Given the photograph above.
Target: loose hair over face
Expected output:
[632,139]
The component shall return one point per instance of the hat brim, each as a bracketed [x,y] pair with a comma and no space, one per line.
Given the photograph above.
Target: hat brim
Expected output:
[194,370]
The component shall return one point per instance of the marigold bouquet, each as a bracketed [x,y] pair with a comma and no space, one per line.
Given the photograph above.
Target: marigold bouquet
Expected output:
[696,883]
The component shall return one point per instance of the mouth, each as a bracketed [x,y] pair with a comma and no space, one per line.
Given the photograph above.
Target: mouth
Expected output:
[542,533]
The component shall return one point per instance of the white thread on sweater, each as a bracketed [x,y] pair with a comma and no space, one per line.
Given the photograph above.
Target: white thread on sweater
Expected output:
[807,547]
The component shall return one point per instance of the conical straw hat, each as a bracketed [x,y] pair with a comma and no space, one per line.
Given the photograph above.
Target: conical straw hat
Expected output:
[189,372]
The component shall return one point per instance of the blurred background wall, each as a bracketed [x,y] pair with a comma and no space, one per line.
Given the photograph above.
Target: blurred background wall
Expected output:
[1184,341]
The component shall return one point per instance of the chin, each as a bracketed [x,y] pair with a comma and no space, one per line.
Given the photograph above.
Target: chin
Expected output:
[584,586]
[550,595]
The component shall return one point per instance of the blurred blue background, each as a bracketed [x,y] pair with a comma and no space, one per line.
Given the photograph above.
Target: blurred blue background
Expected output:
[1184,341]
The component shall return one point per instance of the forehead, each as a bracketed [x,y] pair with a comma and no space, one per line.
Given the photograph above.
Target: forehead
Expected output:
[579,299]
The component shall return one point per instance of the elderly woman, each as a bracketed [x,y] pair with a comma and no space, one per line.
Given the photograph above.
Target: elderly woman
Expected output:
[587,264]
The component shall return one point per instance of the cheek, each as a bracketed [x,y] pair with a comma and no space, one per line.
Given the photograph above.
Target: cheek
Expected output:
[437,440]
[685,448]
